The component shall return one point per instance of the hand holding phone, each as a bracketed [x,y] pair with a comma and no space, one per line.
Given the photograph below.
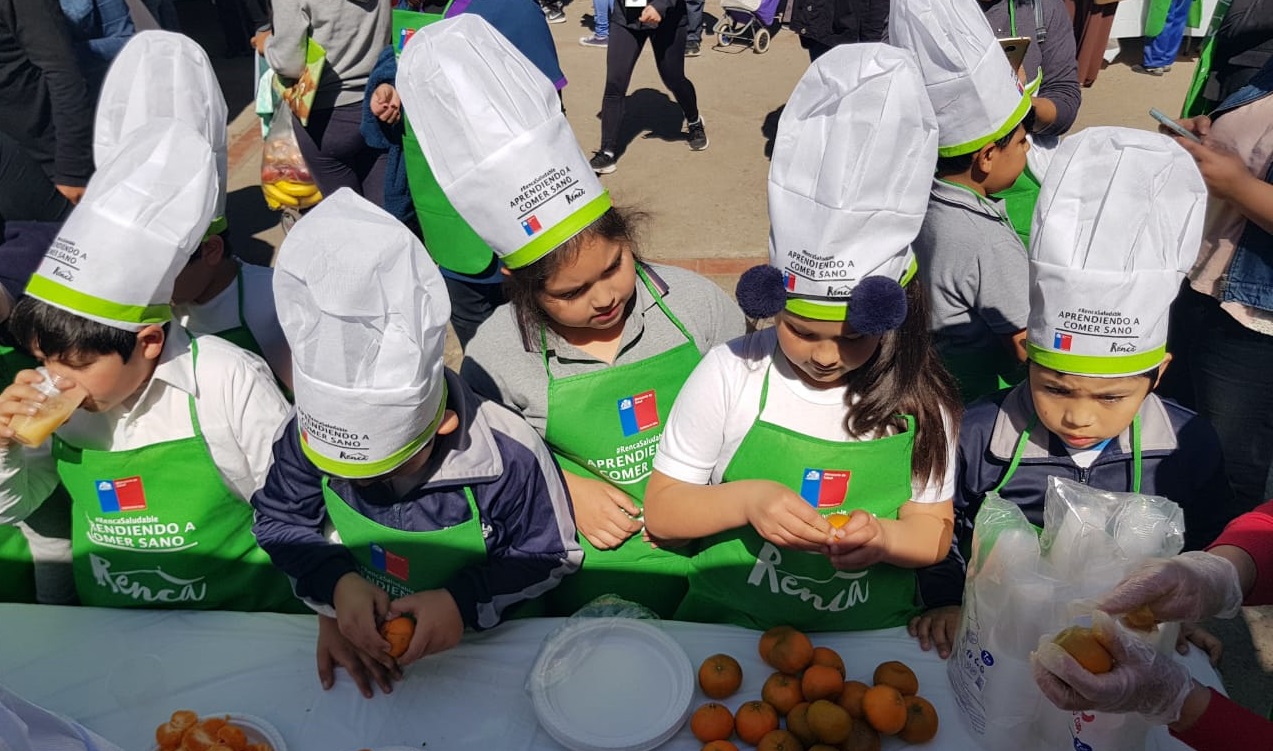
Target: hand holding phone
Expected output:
[1015,49]
[1172,125]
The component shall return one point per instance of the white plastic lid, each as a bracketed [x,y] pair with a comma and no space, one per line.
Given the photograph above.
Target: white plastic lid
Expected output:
[611,684]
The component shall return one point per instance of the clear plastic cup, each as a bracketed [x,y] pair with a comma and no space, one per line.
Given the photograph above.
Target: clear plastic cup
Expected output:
[33,430]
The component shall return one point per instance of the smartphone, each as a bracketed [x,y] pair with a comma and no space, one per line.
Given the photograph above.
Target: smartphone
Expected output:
[1015,48]
[1172,125]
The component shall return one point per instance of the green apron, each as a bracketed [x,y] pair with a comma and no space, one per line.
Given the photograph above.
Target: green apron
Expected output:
[1019,199]
[628,407]
[156,526]
[983,372]
[17,569]
[402,562]
[739,577]
[1197,99]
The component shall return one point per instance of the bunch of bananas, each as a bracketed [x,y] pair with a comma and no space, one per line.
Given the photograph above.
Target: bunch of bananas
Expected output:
[290,194]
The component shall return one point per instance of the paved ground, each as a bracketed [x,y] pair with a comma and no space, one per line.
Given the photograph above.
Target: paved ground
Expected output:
[707,209]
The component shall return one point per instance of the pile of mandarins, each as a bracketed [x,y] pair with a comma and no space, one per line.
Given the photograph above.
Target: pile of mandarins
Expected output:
[823,711]
[184,731]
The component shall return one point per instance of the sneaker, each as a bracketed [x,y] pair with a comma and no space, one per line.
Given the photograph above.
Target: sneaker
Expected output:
[693,49]
[603,162]
[1154,71]
[594,41]
[555,15]
[698,135]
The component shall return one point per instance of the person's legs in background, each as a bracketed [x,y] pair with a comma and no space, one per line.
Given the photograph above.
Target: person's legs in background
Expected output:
[694,28]
[26,193]
[1161,51]
[338,156]
[600,25]
[669,41]
[621,55]
[473,299]
[552,11]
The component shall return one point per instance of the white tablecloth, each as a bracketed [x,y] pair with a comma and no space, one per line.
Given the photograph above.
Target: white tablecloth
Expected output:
[122,672]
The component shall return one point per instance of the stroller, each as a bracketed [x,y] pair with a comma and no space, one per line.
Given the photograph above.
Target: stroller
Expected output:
[748,22]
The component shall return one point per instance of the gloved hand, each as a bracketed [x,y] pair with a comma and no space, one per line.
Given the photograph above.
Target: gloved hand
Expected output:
[1143,679]
[1189,587]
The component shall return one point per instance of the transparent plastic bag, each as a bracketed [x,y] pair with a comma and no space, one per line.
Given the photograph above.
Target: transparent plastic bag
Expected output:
[285,178]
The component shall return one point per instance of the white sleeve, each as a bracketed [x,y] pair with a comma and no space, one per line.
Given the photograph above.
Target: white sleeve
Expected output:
[936,492]
[27,477]
[694,439]
[251,410]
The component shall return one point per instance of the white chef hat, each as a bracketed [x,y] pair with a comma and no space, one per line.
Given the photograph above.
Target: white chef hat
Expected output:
[974,90]
[1117,225]
[365,310]
[491,127]
[848,188]
[162,74]
[144,212]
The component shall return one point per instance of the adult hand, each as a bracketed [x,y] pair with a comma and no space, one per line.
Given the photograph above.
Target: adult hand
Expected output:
[385,104]
[1200,126]
[438,625]
[71,193]
[360,607]
[650,15]
[259,39]
[334,649]
[1188,587]
[605,515]
[1223,171]
[785,519]
[1143,680]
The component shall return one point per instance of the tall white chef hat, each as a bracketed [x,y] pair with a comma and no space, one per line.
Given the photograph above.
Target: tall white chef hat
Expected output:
[365,310]
[974,91]
[161,74]
[493,132]
[1117,225]
[145,211]
[848,188]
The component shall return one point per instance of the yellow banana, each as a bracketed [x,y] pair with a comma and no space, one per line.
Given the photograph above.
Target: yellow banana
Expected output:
[279,196]
[299,190]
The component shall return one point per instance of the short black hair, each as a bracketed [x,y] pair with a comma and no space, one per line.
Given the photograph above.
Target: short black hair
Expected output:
[55,332]
[954,165]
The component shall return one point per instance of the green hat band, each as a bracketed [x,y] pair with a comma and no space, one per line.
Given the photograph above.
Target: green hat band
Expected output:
[822,310]
[1099,367]
[1018,114]
[54,293]
[364,470]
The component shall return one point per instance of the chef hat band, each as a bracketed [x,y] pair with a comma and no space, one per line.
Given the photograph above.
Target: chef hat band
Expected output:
[1117,225]
[361,470]
[836,310]
[491,127]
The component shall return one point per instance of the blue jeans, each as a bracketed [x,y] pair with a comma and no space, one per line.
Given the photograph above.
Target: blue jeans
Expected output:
[1161,50]
[694,17]
[601,18]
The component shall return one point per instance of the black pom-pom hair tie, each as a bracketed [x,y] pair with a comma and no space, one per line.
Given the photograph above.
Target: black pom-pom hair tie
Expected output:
[877,305]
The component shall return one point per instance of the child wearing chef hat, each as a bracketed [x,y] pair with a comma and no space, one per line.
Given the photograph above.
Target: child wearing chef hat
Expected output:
[971,260]
[173,435]
[161,74]
[396,490]
[1117,225]
[840,414]
[595,344]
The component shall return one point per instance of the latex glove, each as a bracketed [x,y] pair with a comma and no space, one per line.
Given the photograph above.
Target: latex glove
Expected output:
[1189,587]
[1143,679]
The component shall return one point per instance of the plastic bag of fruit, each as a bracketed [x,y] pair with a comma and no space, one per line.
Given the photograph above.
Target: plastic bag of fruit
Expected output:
[285,178]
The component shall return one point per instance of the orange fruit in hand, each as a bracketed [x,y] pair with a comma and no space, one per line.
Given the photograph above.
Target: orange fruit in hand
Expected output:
[838,519]
[897,675]
[782,692]
[1085,648]
[791,653]
[1141,619]
[770,638]
[719,746]
[753,719]
[921,721]
[851,698]
[884,708]
[798,723]
[830,658]
[712,722]
[862,737]
[829,722]
[779,740]
[398,631]
[821,682]
[720,676]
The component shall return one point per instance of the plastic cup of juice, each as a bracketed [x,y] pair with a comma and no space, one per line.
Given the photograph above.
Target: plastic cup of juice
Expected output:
[33,430]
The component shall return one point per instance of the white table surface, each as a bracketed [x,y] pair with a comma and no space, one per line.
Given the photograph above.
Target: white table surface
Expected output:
[122,672]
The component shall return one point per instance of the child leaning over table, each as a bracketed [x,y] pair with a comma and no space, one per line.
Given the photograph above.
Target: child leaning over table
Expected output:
[395,490]
[1103,272]
[173,435]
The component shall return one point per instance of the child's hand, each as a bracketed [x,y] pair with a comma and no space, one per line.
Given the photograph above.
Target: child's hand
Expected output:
[20,398]
[785,519]
[360,608]
[385,104]
[936,628]
[334,649]
[1200,638]
[859,543]
[603,513]
[438,625]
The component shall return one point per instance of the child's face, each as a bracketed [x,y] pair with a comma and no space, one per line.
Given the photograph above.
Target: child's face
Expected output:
[1084,410]
[592,290]
[108,380]
[1006,164]
[823,352]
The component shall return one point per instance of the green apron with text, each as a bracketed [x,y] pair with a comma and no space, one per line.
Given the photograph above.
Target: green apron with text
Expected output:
[606,424]
[156,527]
[17,569]
[402,562]
[739,577]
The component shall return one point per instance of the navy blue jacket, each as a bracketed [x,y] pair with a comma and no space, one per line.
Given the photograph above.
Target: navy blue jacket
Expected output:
[1180,454]
[521,500]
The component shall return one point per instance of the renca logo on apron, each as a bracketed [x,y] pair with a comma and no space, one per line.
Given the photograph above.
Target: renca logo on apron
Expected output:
[638,413]
[121,495]
[390,563]
[825,488]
